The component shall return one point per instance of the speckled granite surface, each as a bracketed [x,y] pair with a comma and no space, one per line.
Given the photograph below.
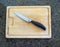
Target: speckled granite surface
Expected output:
[52,42]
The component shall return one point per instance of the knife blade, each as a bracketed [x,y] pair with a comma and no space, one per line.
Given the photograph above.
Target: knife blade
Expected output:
[30,20]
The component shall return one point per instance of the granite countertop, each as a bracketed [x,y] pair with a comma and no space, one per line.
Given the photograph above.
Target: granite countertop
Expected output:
[55,17]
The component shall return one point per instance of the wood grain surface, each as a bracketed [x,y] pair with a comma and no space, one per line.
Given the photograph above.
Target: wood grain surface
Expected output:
[18,28]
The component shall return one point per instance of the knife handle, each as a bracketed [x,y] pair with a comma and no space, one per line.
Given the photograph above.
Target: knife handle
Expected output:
[38,24]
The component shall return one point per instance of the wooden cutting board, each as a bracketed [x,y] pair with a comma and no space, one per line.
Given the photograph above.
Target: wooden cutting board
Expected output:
[17,28]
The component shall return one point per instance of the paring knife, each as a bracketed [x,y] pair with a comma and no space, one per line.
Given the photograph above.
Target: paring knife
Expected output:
[30,21]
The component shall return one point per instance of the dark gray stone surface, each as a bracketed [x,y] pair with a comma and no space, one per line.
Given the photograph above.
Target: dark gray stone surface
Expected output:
[52,42]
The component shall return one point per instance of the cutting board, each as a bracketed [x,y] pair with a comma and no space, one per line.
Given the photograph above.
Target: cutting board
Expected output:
[18,28]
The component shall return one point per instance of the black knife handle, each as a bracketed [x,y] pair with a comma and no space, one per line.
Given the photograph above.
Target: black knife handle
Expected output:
[38,24]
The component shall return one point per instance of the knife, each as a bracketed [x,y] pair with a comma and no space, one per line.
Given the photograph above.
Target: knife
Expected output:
[30,20]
